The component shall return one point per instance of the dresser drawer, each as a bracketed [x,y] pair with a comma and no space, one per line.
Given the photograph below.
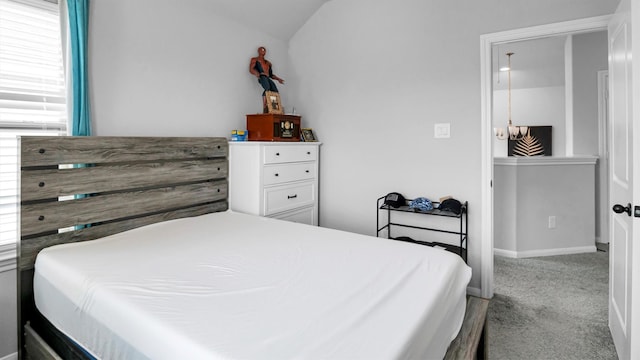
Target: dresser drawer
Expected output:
[281,173]
[283,198]
[275,179]
[304,216]
[285,154]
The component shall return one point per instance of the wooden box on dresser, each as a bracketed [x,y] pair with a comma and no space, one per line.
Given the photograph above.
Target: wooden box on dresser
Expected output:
[275,179]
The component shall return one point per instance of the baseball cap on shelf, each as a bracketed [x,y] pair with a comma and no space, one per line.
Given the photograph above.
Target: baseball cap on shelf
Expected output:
[451,205]
[421,203]
[395,200]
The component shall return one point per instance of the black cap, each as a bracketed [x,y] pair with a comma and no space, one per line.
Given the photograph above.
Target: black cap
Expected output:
[451,205]
[395,200]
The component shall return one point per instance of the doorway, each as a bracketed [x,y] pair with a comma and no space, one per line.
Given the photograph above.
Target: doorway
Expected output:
[546,205]
[487,49]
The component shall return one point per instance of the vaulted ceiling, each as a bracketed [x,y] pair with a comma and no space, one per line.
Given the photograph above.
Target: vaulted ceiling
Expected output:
[278,18]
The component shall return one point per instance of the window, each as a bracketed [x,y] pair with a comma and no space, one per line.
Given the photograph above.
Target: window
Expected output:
[32,92]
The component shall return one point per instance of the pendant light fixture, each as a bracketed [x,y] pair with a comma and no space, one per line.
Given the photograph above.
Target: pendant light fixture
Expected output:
[514,132]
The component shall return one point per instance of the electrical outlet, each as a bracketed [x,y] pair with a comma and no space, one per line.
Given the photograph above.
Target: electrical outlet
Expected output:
[552,222]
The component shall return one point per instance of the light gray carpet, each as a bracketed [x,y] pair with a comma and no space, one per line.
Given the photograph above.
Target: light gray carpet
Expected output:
[551,308]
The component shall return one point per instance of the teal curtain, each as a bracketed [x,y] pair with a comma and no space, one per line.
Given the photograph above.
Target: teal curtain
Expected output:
[79,30]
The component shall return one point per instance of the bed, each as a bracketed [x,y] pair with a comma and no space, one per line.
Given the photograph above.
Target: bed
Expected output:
[170,272]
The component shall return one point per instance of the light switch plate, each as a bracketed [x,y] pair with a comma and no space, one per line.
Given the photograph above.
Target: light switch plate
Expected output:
[442,131]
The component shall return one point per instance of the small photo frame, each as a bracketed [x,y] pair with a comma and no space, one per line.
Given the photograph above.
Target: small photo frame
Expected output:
[307,135]
[274,104]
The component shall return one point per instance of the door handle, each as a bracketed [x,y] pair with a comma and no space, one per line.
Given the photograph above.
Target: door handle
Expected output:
[619,209]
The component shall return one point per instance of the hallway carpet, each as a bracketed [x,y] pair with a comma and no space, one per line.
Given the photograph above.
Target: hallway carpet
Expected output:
[551,308]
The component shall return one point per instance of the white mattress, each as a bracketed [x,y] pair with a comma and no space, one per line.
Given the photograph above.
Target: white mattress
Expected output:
[235,286]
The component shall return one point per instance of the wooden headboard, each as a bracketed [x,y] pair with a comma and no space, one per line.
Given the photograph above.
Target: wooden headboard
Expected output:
[109,185]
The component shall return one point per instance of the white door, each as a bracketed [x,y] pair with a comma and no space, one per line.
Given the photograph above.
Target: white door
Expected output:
[621,181]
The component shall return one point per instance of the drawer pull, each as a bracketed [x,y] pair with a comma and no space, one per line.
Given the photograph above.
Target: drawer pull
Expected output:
[277,154]
[307,171]
[276,174]
[292,196]
[308,152]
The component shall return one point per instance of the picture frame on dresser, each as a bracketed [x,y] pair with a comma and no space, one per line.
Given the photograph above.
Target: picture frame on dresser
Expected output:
[308,135]
[274,104]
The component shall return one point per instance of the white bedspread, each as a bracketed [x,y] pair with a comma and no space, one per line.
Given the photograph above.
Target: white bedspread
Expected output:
[235,286]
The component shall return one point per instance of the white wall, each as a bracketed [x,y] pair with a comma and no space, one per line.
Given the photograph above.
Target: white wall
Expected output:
[589,56]
[531,190]
[374,78]
[174,68]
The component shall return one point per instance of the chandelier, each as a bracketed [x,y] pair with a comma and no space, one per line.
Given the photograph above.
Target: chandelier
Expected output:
[513,132]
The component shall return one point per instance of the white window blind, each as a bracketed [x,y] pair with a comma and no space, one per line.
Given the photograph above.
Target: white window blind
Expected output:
[32,91]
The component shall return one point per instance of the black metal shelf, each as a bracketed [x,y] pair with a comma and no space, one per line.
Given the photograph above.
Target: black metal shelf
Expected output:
[460,249]
[406,208]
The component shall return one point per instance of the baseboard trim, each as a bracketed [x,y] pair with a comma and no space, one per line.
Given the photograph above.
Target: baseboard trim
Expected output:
[544,252]
[505,253]
[13,356]
[474,291]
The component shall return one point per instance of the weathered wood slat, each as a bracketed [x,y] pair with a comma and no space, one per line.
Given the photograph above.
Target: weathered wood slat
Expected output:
[29,248]
[465,345]
[46,184]
[44,217]
[47,151]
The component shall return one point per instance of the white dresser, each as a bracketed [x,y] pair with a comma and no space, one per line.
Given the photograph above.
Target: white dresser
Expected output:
[275,179]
